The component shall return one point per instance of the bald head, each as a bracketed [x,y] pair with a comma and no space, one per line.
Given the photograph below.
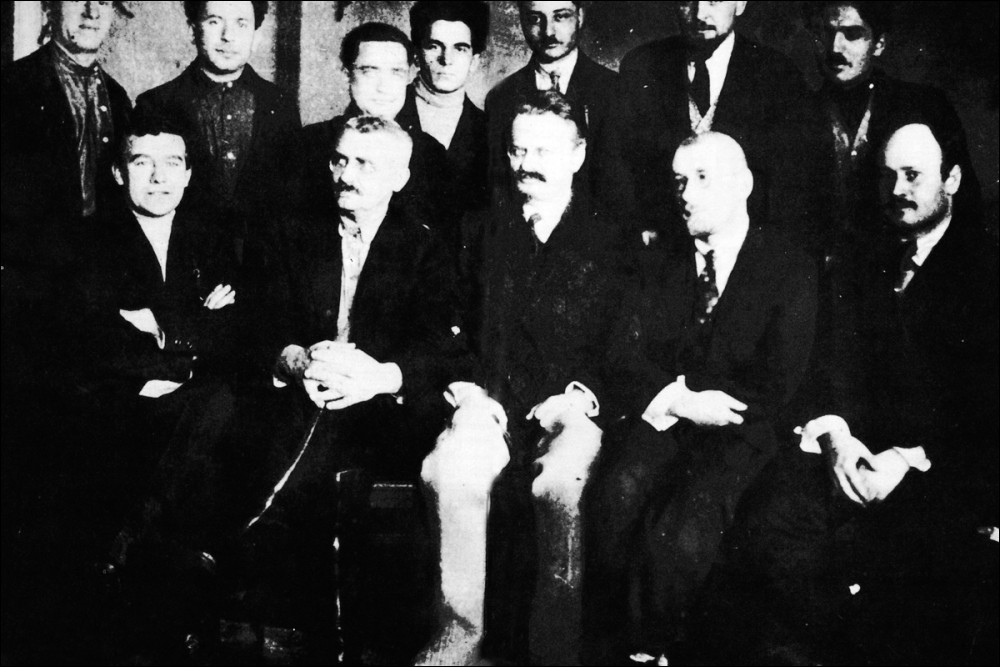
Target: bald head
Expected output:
[713,183]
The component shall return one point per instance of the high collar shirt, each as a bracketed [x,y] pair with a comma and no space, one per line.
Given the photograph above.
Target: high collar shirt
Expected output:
[225,115]
[439,112]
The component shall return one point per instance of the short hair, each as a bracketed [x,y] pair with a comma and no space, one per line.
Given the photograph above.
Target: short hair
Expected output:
[372,32]
[947,132]
[521,5]
[476,15]
[145,123]
[53,10]
[193,11]
[539,103]
[878,15]
[371,125]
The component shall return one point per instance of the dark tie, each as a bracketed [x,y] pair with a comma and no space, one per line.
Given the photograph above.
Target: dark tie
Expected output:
[554,76]
[701,90]
[907,267]
[708,291]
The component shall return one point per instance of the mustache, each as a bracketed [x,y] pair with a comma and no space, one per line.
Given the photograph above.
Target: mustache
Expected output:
[901,203]
[525,175]
[551,41]
[341,189]
[835,59]
[698,24]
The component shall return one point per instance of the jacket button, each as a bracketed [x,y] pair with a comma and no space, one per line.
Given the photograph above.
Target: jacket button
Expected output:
[328,313]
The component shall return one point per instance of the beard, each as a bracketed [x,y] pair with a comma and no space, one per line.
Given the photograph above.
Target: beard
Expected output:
[910,231]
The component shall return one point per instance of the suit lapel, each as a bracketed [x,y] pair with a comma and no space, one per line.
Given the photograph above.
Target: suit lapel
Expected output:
[735,87]
[745,275]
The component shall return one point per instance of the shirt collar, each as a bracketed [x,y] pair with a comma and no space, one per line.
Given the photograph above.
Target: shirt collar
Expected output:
[723,53]
[440,100]
[726,242]
[365,231]
[564,67]
[65,60]
[929,239]
[547,214]
[204,81]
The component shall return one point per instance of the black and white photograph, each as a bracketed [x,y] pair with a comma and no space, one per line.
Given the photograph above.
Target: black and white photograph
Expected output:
[500,333]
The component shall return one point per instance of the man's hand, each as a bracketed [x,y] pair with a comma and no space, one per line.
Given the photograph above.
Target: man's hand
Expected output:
[886,471]
[353,374]
[221,296]
[847,455]
[143,320]
[706,408]
[570,406]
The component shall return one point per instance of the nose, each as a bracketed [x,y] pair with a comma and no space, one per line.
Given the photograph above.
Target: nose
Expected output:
[549,27]
[901,186]
[839,42]
[159,174]
[445,58]
[701,10]
[226,31]
[91,10]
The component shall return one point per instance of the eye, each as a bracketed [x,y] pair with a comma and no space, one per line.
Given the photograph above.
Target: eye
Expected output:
[911,176]
[517,152]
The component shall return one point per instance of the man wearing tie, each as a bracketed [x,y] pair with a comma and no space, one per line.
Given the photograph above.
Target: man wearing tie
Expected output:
[553,31]
[714,347]
[892,509]
[712,78]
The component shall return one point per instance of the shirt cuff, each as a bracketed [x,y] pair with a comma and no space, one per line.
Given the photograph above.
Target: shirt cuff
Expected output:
[915,456]
[658,411]
[593,407]
[158,388]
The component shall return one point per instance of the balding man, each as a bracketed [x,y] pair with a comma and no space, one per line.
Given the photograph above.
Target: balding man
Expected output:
[716,345]
[892,510]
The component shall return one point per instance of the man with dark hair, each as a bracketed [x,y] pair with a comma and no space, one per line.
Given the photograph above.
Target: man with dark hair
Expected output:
[710,77]
[449,39]
[378,59]
[869,543]
[711,352]
[553,31]
[246,128]
[859,104]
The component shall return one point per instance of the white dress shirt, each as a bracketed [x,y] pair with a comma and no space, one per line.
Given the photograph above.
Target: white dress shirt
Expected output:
[563,67]
[157,232]
[717,65]
[544,217]
[924,244]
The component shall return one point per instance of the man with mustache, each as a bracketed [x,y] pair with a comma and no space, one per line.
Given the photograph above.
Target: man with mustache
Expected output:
[888,499]
[553,31]
[547,283]
[450,39]
[859,105]
[378,59]
[707,360]
[710,77]
[242,156]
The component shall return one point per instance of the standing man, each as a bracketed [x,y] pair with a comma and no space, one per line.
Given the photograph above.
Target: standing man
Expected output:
[710,78]
[378,59]
[243,154]
[450,38]
[876,547]
[859,105]
[716,345]
[552,31]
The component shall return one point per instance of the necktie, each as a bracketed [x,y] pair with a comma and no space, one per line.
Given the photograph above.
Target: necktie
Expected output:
[701,91]
[907,268]
[554,76]
[708,290]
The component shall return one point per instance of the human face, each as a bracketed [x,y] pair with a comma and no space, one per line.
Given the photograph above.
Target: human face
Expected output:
[545,152]
[706,24]
[226,36]
[379,78]
[552,29]
[82,26]
[156,174]
[367,170]
[446,56]
[846,46]
[915,195]
[712,187]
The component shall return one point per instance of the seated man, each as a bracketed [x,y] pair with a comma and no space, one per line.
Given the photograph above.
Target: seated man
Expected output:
[378,59]
[908,477]
[546,296]
[158,325]
[362,347]
[715,346]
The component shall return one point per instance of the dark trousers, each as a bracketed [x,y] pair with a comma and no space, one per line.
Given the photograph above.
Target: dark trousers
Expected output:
[928,581]
[657,510]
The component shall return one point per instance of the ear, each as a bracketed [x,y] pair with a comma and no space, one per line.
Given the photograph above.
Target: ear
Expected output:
[187,176]
[880,46]
[255,42]
[740,8]
[582,14]
[746,182]
[578,156]
[954,180]
[117,173]
[476,59]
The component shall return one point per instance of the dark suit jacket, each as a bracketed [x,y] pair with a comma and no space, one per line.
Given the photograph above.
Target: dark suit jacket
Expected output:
[266,185]
[468,154]
[921,368]
[593,92]
[764,105]
[426,196]
[123,274]
[403,309]
[757,343]
[543,314]
[40,169]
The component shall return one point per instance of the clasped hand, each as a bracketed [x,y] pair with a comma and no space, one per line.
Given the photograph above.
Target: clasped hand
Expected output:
[707,408]
[339,375]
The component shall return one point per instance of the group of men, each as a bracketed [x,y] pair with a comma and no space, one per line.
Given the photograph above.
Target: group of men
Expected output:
[696,255]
